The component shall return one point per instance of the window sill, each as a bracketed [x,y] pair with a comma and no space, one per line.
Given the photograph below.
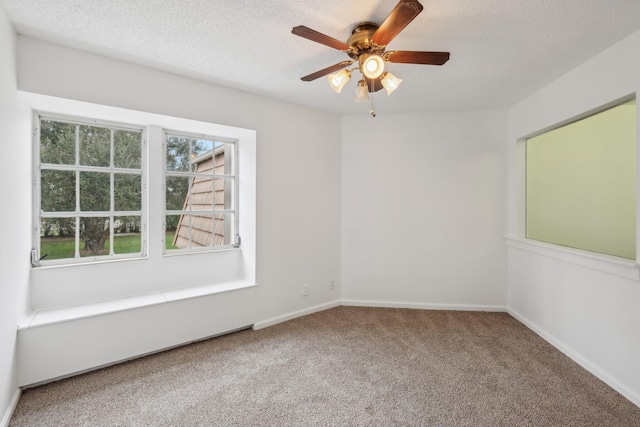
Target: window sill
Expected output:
[183,252]
[65,314]
[72,262]
[621,267]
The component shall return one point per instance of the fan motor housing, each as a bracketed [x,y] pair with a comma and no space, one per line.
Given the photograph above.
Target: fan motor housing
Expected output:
[360,40]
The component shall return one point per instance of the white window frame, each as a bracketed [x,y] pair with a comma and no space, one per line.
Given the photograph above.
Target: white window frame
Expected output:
[235,237]
[36,256]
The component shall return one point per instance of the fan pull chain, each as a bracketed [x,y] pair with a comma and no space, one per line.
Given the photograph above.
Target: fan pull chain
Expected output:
[372,111]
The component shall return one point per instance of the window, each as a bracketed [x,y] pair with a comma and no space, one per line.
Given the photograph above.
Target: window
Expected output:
[90,184]
[200,192]
[147,267]
[581,183]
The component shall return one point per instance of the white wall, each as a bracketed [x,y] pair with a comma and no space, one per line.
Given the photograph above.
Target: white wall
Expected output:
[423,210]
[591,315]
[14,252]
[298,209]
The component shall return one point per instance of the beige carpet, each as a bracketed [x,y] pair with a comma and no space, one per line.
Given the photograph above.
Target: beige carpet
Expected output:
[347,366]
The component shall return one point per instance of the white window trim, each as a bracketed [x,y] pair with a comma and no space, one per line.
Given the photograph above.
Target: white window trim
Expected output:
[37,215]
[618,266]
[236,196]
[621,267]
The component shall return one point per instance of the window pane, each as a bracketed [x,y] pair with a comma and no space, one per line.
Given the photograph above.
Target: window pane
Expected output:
[194,231]
[178,157]
[58,191]
[95,146]
[127,190]
[57,142]
[127,149]
[201,230]
[94,236]
[94,191]
[223,194]
[176,193]
[203,164]
[57,238]
[171,226]
[201,156]
[201,194]
[224,230]
[182,238]
[127,235]
[581,184]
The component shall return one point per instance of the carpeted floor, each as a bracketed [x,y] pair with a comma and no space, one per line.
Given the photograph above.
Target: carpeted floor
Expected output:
[348,366]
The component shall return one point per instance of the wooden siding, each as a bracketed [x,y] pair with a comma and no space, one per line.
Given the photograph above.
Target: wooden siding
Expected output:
[206,193]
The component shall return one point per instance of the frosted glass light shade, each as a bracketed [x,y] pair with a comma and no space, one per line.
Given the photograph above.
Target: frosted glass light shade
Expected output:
[339,80]
[390,82]
[362,92]
[372,66]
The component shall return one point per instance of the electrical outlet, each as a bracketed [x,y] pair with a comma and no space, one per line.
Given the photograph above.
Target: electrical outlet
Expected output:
[305,290]
[332,284]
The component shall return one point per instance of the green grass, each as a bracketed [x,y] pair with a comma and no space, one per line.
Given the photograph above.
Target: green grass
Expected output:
[57,247]
[64,247]
[127,244]
[169,240]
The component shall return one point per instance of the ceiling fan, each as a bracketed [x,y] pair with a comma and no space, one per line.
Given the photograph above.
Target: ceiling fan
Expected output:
[366,46]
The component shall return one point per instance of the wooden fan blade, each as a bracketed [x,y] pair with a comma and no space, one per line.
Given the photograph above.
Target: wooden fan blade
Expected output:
[328,70]
[317,37]
[411,57]
[374,85]
[400,16]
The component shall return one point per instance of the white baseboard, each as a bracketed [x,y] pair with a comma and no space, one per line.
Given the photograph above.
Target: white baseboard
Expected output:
[12,407]
[293,315]
[382,304]
[578,358]
[423,306]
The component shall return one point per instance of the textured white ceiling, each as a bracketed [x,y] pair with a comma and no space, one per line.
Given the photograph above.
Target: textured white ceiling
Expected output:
[501,50]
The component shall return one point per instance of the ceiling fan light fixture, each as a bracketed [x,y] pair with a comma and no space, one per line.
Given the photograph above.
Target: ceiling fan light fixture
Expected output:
[339,80]
[390,82]
[372,65]
[362,92]
[367,45]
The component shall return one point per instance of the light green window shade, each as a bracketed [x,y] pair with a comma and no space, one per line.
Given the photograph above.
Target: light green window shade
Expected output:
[581,184]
